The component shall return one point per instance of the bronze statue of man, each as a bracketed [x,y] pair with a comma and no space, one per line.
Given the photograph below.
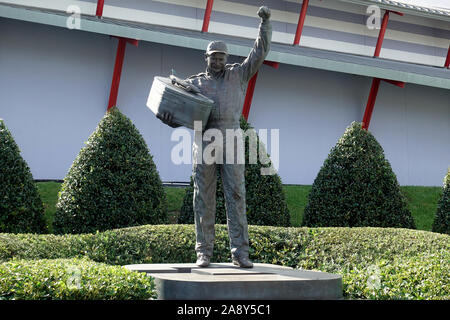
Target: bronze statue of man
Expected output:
[225,84]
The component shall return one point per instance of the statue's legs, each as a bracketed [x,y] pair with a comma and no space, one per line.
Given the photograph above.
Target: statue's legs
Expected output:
[233,178]
[204,176]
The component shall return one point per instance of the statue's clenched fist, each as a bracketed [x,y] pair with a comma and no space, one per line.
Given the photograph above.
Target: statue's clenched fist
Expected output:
[264,13]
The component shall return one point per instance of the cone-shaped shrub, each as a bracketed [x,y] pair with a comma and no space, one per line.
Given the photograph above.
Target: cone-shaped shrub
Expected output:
[356,187]
[441,221]
[21,208]
[265,200]
[113,183]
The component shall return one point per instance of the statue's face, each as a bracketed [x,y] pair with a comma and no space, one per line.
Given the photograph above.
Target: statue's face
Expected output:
[216,61]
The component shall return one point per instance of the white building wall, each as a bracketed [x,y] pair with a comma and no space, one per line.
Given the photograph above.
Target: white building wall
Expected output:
[54,89]
[329,24]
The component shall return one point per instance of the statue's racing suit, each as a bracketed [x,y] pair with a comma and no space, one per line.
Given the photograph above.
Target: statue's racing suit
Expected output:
[227,91]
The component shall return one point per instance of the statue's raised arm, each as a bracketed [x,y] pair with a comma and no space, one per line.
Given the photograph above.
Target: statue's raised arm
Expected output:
[261,47]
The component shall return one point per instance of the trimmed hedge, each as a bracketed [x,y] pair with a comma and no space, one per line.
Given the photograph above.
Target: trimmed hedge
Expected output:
[265,199]
[71,279]
[113,183]
[408,264]
[441,221]
[21,208]
[356,187]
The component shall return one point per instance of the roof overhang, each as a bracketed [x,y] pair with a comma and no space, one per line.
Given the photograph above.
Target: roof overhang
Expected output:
[283,53]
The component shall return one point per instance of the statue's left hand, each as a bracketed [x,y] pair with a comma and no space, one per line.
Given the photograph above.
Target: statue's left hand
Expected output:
[264,13]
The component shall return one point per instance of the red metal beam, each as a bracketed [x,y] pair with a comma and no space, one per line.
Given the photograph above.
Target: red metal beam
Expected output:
[381,34]
[249,96]
[447,61]
[400,84]
[100,4]
[370,103]
[134,42]
[383,31]
[117,73]
[120,55]
[272,64]
[251,89]
[207,16]
[301,21]
[376,81]
[372,98]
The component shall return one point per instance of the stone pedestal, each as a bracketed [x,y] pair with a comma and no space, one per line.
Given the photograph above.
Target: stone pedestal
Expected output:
[224,281]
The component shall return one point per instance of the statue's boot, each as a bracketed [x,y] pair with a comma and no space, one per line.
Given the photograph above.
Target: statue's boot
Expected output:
[203,260]
[242,262]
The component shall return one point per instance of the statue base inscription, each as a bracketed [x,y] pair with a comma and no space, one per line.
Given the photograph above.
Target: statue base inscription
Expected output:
[224,281]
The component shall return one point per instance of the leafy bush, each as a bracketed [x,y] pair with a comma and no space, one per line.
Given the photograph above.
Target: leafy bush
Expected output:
[50,246]
[21,208]
[356,187]
[71,279]
[408,264]
[265,199]
[113,182]
[442,219]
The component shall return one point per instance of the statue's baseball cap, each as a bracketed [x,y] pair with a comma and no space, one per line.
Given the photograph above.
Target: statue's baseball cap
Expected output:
[216,46]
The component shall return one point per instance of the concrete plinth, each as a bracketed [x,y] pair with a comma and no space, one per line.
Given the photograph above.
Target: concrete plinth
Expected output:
[224,281]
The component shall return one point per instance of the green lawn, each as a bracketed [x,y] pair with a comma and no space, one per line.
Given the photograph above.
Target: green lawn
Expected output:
[175,197]
[296,198]
[422,202]
[49,195]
